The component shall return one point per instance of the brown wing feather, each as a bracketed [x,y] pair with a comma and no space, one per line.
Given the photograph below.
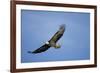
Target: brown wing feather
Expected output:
[58,34]
[41,49]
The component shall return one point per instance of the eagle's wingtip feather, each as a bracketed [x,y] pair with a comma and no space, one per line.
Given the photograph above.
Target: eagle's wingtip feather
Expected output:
[32,52]
[63,26]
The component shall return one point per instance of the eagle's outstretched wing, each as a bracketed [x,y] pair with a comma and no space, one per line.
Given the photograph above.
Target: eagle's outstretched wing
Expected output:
[41,49]
[58,34]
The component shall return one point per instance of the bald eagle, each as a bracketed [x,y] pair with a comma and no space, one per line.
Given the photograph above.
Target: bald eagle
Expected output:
[52,42]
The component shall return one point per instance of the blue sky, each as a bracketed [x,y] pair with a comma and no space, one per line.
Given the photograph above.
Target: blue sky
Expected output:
[37,27]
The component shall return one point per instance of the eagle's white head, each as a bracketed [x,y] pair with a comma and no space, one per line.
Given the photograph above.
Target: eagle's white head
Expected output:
[47,43]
